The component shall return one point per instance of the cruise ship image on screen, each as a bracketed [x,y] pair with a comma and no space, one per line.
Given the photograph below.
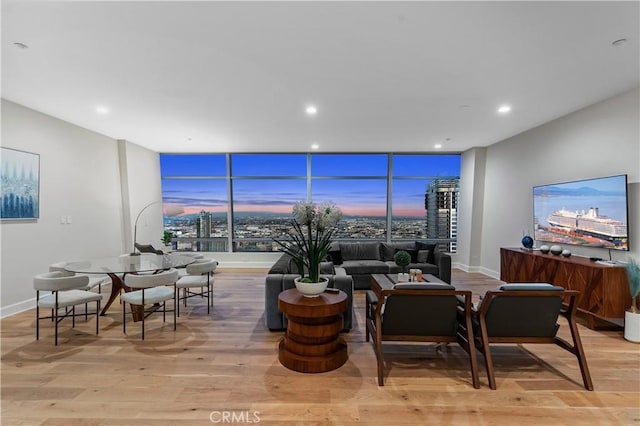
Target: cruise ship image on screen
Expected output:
[589,212]
[589,223]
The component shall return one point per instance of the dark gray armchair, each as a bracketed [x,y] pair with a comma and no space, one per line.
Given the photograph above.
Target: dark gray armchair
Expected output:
[421,313]
[528,313]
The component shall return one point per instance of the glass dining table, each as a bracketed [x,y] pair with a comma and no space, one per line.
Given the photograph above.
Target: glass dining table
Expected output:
[116,267]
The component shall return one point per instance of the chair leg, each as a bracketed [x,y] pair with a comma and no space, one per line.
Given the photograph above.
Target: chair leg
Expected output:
[55,320]
[578,351]
[143,315]
[471,351]
[380,362]
[175,305]
[97,316]
[208,295]
[37,315]
[488,362]
[124,318]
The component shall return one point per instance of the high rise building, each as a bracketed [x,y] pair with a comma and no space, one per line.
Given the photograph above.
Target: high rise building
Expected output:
[204,231]
[441,203]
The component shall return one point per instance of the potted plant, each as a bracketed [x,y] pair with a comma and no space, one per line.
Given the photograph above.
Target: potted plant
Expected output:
[632,315]
[308,243]
[167,236]
[402,259]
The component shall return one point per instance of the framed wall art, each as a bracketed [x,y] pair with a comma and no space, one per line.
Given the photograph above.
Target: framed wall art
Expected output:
[20,189]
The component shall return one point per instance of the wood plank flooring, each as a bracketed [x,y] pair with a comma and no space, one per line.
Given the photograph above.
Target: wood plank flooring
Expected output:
[223,368]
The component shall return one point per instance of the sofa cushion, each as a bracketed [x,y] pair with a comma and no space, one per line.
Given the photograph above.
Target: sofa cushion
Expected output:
[360,267]
[423,255]
[431,258]
[326,268]
[360,251]
[335,256]
[530,287]
[281,266]
[387,250]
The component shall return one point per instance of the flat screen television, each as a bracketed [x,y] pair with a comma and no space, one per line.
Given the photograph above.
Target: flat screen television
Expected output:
[591,212]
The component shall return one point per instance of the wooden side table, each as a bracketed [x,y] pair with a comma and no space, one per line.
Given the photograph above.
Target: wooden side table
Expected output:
[312,343]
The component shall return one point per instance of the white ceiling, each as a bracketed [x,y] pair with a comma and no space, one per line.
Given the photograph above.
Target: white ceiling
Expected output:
[385,76]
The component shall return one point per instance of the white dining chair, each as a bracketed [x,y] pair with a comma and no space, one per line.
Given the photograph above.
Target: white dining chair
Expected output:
[198,277]
[95,280]
[151,289]
[66,293]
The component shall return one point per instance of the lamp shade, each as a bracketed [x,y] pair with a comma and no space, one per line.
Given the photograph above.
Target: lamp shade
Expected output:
[171,210]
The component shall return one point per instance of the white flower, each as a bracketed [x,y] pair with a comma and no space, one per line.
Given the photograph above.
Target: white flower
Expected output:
[313,227]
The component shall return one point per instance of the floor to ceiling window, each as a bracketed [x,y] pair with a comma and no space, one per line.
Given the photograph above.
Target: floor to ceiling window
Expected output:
[425,197]
[195,201]
[240,202]
[264,189]
[357,183]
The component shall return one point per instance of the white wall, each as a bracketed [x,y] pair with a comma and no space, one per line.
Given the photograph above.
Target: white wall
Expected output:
[140,187]
[472,171]
[600,140]
[79,177]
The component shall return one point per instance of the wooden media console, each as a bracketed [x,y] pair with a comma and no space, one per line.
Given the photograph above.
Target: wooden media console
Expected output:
[604,289]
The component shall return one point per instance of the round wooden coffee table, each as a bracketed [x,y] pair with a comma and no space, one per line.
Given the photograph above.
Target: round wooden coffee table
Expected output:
[313,343]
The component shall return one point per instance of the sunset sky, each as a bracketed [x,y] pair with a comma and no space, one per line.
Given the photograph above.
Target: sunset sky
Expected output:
[363,194]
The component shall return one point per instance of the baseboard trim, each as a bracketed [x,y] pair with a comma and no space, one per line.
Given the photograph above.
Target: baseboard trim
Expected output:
[16,308]
[477,269]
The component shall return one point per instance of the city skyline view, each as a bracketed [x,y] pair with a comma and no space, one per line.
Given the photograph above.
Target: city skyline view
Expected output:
[356,183]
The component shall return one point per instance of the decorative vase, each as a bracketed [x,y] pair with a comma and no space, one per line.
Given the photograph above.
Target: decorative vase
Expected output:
[566,253]
[556,250]
[544,249]
[632,326]
[403,277]
[311,289]
[527,242]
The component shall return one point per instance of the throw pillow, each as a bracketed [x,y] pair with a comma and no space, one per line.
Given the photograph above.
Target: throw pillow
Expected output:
[326,268]
[336,257]
[412,252]
[423,256]
[427,246]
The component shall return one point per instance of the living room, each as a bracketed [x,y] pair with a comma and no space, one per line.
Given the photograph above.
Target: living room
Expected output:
[100,183]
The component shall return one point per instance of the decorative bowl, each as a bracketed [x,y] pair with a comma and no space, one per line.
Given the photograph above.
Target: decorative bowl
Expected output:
[557,250]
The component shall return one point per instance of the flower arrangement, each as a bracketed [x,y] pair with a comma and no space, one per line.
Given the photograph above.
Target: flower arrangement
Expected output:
[313,227]
[633,274]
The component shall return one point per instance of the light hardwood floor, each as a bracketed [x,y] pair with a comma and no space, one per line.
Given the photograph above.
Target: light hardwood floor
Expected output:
[226,364]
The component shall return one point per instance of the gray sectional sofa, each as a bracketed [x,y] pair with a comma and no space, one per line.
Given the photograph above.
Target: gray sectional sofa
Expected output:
[361,259]
[351,266]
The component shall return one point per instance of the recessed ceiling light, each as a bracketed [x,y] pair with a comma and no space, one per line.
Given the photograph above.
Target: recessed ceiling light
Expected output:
[20,45]
[438,146]
[504,109]
[100,109]
[619,42]
[315,146]
[311,110]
